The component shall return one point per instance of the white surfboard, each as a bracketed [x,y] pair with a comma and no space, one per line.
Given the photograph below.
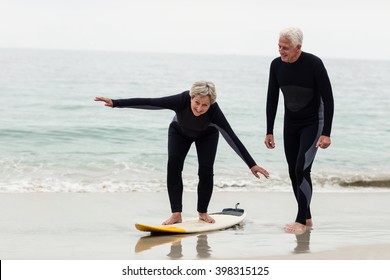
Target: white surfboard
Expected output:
[228,217]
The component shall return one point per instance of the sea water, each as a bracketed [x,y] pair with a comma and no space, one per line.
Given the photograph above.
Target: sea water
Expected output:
[55,138]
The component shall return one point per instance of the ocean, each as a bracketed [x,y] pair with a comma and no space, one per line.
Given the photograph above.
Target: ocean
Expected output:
[55,138]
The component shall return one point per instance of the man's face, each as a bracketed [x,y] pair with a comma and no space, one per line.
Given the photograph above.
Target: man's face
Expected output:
[287,52]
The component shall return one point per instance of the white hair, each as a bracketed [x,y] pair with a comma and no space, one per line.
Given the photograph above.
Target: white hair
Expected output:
[204,88]
[293,34]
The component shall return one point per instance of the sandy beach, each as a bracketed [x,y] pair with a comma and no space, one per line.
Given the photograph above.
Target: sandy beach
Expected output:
[100,226]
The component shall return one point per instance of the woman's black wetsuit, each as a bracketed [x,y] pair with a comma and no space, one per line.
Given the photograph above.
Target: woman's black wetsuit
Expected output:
[183,131]
[308,103]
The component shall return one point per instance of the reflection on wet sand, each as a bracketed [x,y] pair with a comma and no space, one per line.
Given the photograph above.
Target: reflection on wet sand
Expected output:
[303,242]
[202,246]
[176,251]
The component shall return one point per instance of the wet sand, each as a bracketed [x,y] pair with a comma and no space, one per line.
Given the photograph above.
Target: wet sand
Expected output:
[100,226]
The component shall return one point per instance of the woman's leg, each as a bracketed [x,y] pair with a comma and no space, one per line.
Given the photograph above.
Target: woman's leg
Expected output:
[178,147]
[206,147]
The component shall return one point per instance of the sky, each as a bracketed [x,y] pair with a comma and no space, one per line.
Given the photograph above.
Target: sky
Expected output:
[356,29]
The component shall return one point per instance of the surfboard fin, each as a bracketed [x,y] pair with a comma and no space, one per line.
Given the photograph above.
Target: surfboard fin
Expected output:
[233,211]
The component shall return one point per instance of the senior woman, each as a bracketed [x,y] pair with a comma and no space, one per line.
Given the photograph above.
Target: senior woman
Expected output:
[198,120]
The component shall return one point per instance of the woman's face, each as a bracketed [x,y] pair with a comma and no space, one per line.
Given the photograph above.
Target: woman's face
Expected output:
[287,52]
[200,105]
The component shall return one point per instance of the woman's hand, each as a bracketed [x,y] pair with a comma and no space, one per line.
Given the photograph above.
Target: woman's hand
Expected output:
[107,101]
[257,169]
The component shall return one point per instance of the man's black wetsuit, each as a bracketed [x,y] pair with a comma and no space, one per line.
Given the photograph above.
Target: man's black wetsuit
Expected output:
[183,131]
[308,103]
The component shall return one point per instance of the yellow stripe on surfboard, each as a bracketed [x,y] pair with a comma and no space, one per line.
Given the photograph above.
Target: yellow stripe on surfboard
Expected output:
[162,228]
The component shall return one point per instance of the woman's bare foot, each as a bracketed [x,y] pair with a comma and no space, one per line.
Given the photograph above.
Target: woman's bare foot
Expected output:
[205,217]
[174,219]
[295,228]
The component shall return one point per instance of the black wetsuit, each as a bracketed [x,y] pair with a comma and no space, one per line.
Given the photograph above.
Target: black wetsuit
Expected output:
[185,129]
[308,103]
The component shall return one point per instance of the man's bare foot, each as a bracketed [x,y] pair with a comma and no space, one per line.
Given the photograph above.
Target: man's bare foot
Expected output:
[295,228]
[174,219]
[205,217]
[309,223]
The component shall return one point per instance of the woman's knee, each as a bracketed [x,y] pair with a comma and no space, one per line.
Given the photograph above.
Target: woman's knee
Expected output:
[205,171]
[175,163]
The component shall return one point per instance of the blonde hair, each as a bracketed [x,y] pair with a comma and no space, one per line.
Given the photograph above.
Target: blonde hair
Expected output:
[204,88]
[293,34]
